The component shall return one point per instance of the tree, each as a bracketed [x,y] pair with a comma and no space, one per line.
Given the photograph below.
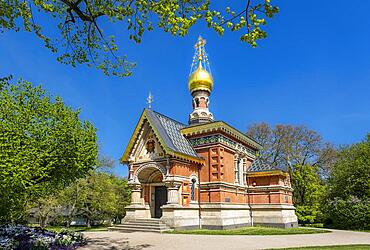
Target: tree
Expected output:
[99,196]
[43,146]
[80,38]
[45,209]
[349,188]
[308,193]
[306,157]
[123,193]
[288,146]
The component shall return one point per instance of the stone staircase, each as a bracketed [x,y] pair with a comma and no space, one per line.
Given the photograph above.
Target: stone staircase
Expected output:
[141,225]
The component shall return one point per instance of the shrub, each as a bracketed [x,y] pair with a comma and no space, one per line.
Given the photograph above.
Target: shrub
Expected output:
[349,214]
[21,237]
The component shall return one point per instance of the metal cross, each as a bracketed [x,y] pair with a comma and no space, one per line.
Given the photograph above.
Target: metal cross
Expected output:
[150,100]
[201,42]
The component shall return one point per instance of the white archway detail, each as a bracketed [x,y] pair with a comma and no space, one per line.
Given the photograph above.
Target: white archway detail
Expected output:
[161,168]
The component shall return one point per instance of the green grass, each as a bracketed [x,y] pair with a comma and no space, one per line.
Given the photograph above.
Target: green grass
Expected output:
[252,231]
[363,230]
[318,225]
[346,247]
[77,228]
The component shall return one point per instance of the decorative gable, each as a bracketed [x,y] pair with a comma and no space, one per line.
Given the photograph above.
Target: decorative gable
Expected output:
[157,136]
[148,148]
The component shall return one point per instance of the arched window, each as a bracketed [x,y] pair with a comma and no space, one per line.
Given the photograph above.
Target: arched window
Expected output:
[193,183]
[236,168]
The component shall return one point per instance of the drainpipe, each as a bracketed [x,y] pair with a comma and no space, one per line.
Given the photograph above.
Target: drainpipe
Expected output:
[249,202]
[199,208]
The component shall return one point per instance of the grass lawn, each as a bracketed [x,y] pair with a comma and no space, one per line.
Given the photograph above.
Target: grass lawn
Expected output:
[346,247]
[77,228]
[363,230]
[252,231]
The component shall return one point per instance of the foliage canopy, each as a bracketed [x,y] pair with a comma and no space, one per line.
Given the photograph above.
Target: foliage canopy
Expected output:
[349,188]
[81,40]
[43,145]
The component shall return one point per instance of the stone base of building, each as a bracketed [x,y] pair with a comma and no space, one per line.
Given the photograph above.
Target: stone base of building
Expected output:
[219,215]
[178,217]
[137,212]
[274,215]
[213,216]
[225,216]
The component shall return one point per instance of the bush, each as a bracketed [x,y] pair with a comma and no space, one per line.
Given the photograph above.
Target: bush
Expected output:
[21,237]
[349,214]
[308,214]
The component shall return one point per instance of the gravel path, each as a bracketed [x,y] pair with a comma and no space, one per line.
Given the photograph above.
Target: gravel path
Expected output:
[153,241]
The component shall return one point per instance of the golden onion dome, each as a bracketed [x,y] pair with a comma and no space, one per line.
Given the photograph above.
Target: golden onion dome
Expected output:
[200,79]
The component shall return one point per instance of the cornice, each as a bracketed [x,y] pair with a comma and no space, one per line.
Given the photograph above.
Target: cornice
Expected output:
[220,126]
[223,140]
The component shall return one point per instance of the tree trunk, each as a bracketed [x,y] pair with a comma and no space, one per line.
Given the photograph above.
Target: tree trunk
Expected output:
[69,221]
[43,221]
[88,222]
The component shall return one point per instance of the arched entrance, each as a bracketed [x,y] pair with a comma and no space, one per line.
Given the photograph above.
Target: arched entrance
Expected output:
[153,189]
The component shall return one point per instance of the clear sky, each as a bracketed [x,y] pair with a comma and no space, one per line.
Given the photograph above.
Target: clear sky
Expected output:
[312,70]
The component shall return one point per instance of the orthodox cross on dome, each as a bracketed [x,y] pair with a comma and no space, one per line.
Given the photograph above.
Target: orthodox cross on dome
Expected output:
[149,100]
[200,58]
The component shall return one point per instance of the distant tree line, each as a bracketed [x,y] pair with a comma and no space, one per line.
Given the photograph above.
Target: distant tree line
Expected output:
[98,198]
[331,185]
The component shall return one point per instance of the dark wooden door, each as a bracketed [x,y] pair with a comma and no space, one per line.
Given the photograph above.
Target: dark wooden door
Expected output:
[160,200]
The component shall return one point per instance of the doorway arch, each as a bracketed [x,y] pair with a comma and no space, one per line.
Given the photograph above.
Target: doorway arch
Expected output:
[153,189]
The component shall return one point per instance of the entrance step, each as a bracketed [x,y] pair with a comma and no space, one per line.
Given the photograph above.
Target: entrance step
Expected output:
[141,225]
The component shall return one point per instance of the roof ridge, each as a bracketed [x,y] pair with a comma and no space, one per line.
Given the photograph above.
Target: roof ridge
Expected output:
[169,118]
[177,139]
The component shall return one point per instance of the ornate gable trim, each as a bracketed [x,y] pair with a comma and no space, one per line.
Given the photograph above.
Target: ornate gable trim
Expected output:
[169,152]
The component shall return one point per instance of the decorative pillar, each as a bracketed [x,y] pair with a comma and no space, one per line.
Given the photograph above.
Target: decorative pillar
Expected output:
[173,193]
[135,194]
[130,172]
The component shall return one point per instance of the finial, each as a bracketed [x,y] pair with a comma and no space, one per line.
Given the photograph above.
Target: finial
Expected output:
[199,46]
[149,100]
[200,59]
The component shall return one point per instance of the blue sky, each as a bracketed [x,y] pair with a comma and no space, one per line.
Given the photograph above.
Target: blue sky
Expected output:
[312,70]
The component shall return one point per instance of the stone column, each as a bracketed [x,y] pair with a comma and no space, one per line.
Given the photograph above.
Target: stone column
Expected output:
[137,208]
[135,194]
[173,193]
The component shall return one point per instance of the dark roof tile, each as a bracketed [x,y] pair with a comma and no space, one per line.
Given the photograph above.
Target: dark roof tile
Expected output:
[169,130]
[259,166]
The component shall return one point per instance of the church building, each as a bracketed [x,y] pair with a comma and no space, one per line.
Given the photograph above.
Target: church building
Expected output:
[202,174]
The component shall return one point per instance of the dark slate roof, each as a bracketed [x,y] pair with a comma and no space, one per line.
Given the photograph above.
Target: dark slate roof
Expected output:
[259,166]
[169,131]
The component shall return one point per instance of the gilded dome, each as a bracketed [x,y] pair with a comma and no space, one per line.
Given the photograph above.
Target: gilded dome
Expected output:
[200,79]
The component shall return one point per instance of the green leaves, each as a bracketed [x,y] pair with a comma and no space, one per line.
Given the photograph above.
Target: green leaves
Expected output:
[350,175]
[99,196]
[43,145]
[308,193]
[81,40]
[348,199]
